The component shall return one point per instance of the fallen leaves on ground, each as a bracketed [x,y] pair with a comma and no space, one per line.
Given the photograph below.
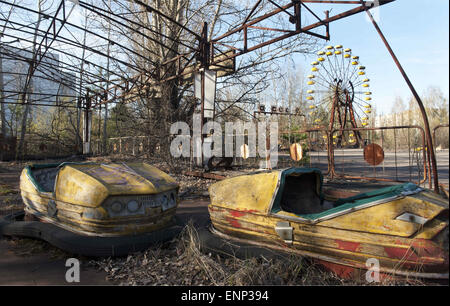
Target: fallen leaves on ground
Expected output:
[180,262]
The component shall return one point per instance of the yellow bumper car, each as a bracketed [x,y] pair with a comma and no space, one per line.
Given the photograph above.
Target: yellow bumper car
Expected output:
[402,229]
[96,209]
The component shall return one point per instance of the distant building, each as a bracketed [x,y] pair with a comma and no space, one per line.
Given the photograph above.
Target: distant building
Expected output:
[48,83]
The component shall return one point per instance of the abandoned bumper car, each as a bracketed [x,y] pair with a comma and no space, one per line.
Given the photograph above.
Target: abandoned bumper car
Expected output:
[403,227]
[96,209]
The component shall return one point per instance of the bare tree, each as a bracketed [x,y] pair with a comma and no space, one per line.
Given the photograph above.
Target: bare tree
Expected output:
[27,90]
[161,40]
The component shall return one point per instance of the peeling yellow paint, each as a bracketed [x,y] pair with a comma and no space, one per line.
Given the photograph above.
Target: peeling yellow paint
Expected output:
[82,191]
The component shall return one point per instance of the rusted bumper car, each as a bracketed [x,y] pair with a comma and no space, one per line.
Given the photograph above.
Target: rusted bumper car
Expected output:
[403,228]
[96,209]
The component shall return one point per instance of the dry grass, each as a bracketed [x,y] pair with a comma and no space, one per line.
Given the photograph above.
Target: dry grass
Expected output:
[5,190]
[180,262]
[10,203]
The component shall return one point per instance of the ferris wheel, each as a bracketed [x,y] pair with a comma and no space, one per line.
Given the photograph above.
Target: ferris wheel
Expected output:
[339,95]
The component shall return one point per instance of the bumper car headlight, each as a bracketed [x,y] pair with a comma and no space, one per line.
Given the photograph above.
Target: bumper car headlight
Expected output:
[116,207]
[133,206]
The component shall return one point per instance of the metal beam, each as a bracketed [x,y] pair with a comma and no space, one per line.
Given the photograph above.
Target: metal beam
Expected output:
[423,111]
[45,44]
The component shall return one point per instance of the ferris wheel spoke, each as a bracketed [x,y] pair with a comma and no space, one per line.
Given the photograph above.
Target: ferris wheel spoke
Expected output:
[335,73]
[360,113]
[363,109]
[358,98]
[366,102]
[357,107]
[330,73]
[323,78]
[322,66]
[321,84]
[342,58]
[355,79]
[338,70]
[353,75]
[359,83]
[324,100]
[346,71]
[322,91]
[363,120]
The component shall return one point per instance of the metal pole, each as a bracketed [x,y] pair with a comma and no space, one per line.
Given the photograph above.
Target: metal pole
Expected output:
[2,100]
[87,124]
[204,52]
[419,102]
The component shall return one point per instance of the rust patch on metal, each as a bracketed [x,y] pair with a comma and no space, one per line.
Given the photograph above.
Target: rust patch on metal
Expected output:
[373,154]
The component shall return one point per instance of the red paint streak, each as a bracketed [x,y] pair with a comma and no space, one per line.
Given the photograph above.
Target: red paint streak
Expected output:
[423,254]
[419,248]
[427,248]
[347,245]
[401,253]
[387,227]
[233,222]
[237,214]
[240,213]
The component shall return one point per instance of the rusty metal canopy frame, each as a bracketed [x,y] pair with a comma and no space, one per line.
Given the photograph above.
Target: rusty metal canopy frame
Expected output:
[58,34]
[125,78]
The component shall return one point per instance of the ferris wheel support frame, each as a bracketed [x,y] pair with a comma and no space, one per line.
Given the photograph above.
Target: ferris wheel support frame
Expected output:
[354,125]
[348,107]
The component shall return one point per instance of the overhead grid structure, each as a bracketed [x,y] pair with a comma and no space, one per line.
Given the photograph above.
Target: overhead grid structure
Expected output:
[99,66]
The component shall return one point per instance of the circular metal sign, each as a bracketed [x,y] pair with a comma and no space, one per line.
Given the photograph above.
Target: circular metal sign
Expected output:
[296,151]
[373,154]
